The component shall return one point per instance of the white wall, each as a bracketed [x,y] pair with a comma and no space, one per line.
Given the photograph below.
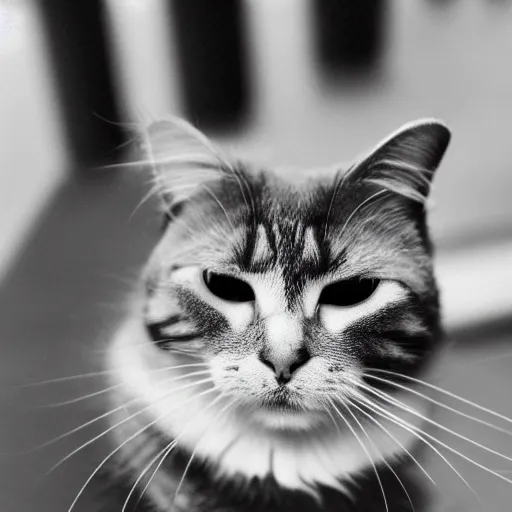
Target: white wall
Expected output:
[32,155]
[448,61]
[141,37]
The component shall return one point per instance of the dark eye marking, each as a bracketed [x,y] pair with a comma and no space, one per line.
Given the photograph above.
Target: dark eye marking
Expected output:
[227,287]
[348,292]
[157,331]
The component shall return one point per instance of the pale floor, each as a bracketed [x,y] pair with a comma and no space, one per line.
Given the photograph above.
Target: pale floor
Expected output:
[58,307]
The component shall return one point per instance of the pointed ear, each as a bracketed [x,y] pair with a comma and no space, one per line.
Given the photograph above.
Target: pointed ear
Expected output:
[405,162]
[182,160]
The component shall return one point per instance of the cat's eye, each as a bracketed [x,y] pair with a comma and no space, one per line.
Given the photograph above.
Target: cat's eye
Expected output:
[348,292]
[228,287]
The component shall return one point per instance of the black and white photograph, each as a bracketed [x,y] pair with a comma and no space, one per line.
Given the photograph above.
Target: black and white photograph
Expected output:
[255,255]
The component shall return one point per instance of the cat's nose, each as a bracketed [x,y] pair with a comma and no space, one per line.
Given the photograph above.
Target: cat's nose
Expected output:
[284,367]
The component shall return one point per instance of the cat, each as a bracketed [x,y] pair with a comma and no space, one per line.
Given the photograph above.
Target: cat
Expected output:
[260,367]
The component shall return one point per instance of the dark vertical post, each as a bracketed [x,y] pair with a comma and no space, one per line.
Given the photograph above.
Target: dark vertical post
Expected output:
[349,34]
[76,35]
[209,39]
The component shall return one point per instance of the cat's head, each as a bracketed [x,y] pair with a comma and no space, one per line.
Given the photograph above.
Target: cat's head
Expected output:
[292,290]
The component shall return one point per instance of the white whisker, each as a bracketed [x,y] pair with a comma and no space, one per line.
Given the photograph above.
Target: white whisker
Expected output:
[414,412]
[99,436]
[125,442]
[441,404]
[354,433]
[115,386]
[448,393]
[221,206]
[103,372]
[163,452]
[359,207]
[381,457]
[404,449]
[80,427]
[331,203]
[90,422]
[392,401]
[417,433]
[338,184]
[80,398]
[220,413]
[152,192]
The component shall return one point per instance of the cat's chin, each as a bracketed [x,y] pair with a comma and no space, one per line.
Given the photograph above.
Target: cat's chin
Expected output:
[282,409]
[286,419]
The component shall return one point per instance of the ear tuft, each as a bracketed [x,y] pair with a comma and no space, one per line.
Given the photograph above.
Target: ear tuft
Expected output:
[405,162]
[182,159]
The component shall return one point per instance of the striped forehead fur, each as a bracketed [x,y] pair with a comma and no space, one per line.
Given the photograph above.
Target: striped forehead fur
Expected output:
[288,226]
[300,242]
[262,250]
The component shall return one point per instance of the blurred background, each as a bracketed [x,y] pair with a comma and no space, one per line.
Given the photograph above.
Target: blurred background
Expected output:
[294,82]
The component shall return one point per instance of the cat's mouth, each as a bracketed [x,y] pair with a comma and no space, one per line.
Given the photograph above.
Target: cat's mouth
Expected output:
[285,409]
[282,399]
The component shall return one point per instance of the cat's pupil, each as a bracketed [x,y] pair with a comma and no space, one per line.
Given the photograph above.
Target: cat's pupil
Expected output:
[348,292]
[228,287]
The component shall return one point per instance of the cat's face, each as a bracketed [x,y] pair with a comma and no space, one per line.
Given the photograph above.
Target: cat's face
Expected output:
[291,292]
